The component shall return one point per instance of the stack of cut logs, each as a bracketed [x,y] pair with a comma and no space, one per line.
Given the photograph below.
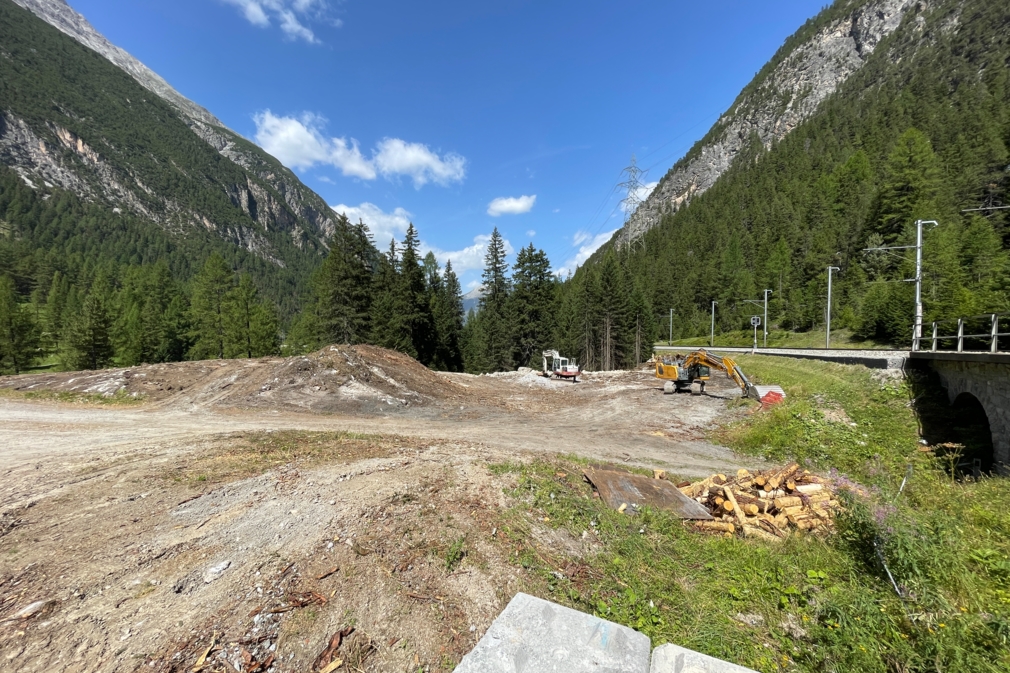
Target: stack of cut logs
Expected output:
[767,504]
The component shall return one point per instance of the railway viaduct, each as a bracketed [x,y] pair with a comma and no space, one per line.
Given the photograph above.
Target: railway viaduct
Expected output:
[965,375]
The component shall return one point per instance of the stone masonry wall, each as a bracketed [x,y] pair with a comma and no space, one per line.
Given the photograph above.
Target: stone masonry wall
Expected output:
[990,384]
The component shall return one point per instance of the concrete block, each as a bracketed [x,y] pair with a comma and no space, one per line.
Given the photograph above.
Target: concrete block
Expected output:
[536,636]
[675,659]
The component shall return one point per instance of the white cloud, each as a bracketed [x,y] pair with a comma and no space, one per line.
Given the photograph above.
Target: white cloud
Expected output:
[511,205]
[642,193]
[587,244]
[291,15]
[299,142]
[384,226]
[531,233]
[470,257]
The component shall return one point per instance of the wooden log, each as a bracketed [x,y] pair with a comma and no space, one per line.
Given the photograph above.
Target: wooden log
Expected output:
[736,508]
[719,479]
[781,521]
[772,493]
[659,474]
[820,496]
[742,473]
[788,501]
[759,533]
[718,501]
[760,480]
[728,505]
[797,509]
[751,510]
[791,485]
[715,526]
[809,488]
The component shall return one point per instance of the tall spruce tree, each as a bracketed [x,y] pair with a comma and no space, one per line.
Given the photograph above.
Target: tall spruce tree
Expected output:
[613,314]
[250,323]
[448,316]
[343,285]
[208,308]
[19,336]
[89,341]
[494,320]
[531,306]
[390,328]
[414,300]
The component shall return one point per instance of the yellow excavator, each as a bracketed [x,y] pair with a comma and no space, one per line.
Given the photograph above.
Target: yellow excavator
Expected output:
[684,370]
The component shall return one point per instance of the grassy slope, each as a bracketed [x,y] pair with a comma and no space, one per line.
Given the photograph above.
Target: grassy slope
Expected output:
[841,338]
[946,543]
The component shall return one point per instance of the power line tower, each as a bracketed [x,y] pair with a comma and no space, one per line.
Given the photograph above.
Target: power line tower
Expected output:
[632,186]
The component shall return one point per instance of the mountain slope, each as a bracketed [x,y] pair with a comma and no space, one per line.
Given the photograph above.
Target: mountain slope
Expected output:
[921,130]
[809,67]
[71,120]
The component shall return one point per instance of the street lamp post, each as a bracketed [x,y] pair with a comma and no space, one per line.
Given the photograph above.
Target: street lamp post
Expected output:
[827,336]
[711,341]
[765,326]
[917,320]
[671,326]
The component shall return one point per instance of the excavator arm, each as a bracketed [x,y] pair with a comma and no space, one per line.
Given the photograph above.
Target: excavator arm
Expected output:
[723,363]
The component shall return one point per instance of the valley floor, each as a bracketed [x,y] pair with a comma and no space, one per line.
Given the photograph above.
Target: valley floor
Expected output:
[263,505]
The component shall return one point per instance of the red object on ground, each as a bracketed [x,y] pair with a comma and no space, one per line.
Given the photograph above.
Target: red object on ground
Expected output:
[771,398]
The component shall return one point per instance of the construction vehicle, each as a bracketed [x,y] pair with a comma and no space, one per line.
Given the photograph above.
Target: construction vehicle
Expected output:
[684,370]
[563,368]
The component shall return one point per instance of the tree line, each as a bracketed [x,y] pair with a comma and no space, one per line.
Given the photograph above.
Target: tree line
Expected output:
[128,315]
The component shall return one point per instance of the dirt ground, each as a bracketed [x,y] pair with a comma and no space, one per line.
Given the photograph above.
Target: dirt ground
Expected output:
[255,509]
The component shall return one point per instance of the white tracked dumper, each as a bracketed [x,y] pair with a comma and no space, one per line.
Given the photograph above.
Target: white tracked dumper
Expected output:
[562,368]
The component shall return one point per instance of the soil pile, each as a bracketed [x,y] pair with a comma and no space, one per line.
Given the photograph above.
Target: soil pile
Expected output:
[345,378]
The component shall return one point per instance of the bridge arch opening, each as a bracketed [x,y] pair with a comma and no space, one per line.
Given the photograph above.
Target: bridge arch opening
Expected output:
[970,428]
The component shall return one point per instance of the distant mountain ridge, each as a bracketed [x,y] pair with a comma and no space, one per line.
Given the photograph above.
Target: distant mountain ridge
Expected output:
[77,114]
[809,67]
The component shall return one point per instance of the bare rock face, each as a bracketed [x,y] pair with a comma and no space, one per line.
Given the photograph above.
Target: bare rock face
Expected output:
[277,200]
[785,98]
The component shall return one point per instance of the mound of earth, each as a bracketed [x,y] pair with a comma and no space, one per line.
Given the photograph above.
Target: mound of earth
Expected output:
[345,378]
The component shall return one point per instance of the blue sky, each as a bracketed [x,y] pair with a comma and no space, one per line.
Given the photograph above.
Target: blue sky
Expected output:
[462,116]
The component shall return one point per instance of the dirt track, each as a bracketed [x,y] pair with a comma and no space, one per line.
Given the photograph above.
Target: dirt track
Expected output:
[115,515]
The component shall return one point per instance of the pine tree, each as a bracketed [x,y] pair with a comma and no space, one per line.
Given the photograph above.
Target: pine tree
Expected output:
[250,323]
[494,321]
[19,337]
[613,314]
[415,302]
[911,185]
[390,328]
[531,306]
[207,308]
[89,342]
[343,286]
[448,316]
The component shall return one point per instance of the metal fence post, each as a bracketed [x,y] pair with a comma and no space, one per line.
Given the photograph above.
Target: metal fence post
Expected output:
[995,333]
[934,336]
[960,335]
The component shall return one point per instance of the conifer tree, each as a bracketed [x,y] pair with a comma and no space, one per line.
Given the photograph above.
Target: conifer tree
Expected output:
[531,306]
[250,323]
[911,185]
[390,328]
[494,324]
[343,286]
[89,341]
[19,337]
[448,317]
[613,314]
[208,308]
[414,300]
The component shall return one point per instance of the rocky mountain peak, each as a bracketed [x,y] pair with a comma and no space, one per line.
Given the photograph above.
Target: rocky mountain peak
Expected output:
[776,102]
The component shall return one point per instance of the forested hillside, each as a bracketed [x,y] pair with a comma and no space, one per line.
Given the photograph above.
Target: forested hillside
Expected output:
[921,130]
[99,169]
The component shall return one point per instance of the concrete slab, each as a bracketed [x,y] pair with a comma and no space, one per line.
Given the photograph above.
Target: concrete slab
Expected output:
[675,659]
[533,635]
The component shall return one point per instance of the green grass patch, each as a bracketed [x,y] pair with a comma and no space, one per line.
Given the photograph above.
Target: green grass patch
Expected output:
[808,603]
[840,338]
[119,398]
